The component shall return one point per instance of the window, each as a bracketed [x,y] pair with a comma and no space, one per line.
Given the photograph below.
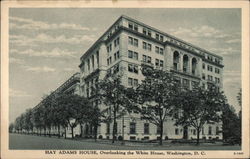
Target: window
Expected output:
[97,58]
[88,64]
[133,41]
[146,128]
[130,54]
[108,128]
[210,68]
[210,78]
[116,42]
[157,36]
[149,59]
[210,130]
[144,31]
[135,82]
[156,62]
[217,70]
[93,61]
[203,76]
[161,63]
[116,68]
[130,26]
[217,130]
[157,49]
[217,80]
[133,68]
[203,66]
[132,128]
[135,56]
[149,33]
[176,131]
[130,82]
[149,47]
[161,51]
[144,58]
[135,27]
[144,45]
[161,38]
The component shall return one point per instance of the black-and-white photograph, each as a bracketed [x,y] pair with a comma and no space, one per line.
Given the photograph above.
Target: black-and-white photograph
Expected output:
[114,79]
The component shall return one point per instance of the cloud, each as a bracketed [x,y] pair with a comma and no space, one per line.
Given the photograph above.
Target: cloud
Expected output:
[40,69]
[21,40]
[29,24]
[69,69]
[56,52]
[18,93]
[14,60]
[225,51]
[231,41]
[200,32]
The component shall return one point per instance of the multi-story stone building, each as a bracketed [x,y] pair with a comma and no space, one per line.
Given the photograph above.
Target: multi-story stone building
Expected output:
[126,46]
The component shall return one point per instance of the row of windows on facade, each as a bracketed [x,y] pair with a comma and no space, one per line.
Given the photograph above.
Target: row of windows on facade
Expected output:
[90,85]
[146,129]
[145,31]
[211,58]
[210,78]
[210,68]
[116,57]
[92,59]
[145,45]
[116,43]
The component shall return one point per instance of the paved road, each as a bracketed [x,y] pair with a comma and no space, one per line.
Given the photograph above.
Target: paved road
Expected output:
[30,142]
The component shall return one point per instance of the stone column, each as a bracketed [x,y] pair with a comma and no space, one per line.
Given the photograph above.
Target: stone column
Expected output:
[180,66]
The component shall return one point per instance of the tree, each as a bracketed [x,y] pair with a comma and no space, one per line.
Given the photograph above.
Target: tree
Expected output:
[72,108]
[199,106]
[156,94]
[28,125]
[113,94]
[231,123]
[11,127]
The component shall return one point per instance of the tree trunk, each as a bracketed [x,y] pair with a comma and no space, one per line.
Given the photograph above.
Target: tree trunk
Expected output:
[44,131]
[161,133]
[95,132]
[198,136]
[185,132]
[65,133]
[114,125]
[72,131]
[50,131]
[58,130]
[81,130]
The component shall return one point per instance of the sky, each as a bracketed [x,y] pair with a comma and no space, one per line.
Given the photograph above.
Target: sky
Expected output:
[45,44]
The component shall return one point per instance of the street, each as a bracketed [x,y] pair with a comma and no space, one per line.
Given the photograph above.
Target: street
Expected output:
[33,142]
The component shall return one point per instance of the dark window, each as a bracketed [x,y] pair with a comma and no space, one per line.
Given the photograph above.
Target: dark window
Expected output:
[144,45]
[149,47]
[217,130]
[130,54]
[157,36]
[176,131]
[161,38]
[97,58]
[156,62]
[149,33]
[135,27]
[161,63]
[149,59]
[135,55]
[203,66]
[161,51]
[108,128]
[135,42]
[132,128]
[135,82]
[209,130]
[144,58]
[130,25]
[144,31]
[157,49]
[146,128]
[130,82]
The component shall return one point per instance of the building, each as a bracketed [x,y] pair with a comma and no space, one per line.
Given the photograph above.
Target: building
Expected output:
[70,86]
[127,45]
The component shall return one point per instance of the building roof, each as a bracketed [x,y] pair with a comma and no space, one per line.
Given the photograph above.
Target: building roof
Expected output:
[149,27]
